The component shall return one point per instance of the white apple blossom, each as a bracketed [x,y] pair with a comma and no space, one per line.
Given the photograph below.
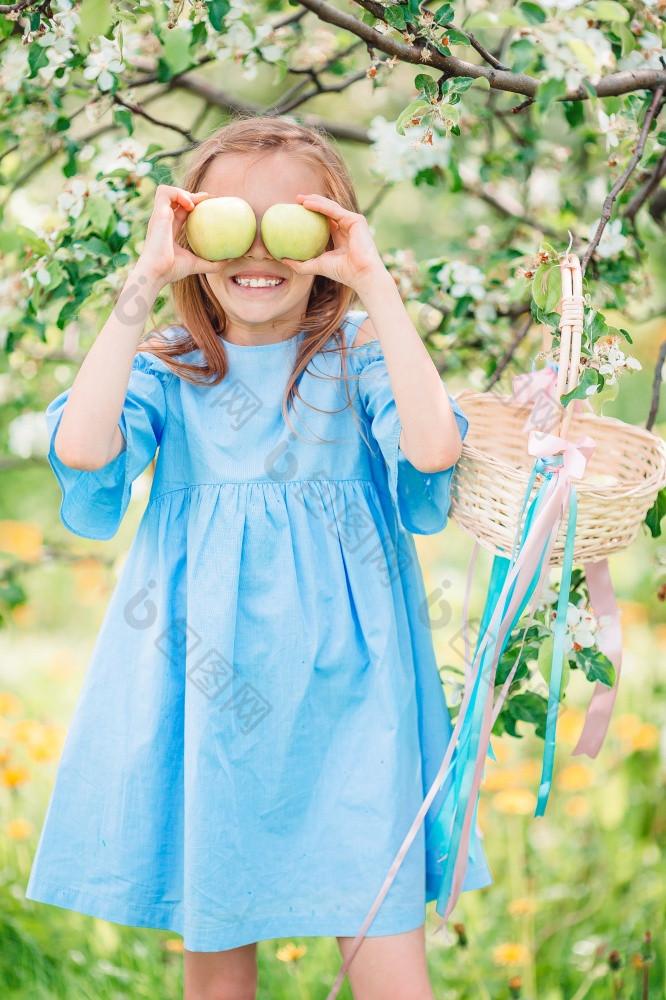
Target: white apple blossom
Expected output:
[242,36]
[608,126]
[72,198]
[27,435]
[14,67]
[126,154]
[395,158]
[612,239]
[647,55]
[543,188]
[460,278]
[404,269]
[611,359]
[103,63]
[583,628]
[572,51]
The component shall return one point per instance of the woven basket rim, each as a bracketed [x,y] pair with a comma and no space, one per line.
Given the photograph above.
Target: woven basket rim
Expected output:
[657,479]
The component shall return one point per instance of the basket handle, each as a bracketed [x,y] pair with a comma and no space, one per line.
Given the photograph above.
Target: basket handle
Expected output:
[571,334]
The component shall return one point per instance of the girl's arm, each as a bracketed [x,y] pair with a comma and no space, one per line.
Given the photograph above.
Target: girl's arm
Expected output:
[430,438]
[89,435]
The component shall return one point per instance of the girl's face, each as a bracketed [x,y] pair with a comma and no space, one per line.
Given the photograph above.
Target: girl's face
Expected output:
[261,182]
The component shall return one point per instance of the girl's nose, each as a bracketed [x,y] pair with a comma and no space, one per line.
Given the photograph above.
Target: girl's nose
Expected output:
[257,246]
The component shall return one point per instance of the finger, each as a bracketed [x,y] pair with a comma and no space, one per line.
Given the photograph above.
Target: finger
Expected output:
[167,196]
[202,266]
[180,213]
[318,203]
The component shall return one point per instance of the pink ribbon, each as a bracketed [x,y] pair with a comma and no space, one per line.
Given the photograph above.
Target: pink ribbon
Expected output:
[600,709]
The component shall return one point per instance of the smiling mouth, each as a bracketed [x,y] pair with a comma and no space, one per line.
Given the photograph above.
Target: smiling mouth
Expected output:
[257,283]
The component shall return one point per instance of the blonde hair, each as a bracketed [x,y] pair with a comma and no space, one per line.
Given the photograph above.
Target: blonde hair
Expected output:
[198,310]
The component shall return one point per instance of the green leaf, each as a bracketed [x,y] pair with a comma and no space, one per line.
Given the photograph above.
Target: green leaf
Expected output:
[548,92]
[175,51]
[444,14]
[412,110]
[547,286]
[37,58]
[533,13]
[96,19]
[656,513]
[457,37]
[595,665]
[589,378]
[545,662]
[217,11]
[608,10]
[530,707]
[627,39]
[395,17]
[122,117]
[426,84]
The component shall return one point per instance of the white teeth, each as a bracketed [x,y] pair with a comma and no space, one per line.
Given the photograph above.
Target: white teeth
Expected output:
[257,282]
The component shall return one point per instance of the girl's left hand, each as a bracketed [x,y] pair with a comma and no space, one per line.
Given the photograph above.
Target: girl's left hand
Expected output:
[354,256]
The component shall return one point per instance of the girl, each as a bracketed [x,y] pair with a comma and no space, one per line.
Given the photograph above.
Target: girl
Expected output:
[263,710]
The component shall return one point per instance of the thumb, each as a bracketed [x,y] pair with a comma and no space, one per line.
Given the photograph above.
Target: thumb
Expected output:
[295,265]
[209,266]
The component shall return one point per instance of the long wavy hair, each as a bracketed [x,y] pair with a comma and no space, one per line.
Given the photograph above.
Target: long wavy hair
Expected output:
[198,311]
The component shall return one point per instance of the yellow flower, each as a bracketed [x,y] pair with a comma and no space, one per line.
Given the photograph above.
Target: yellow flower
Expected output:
[573,777]
[627,725]
[498,777]
[174,944]
[27,731]
[291,952]
[570,724]
[21,539]
[14,776]
[515,801]
[632,612]
[18,829]
[577,807]
[645,738]
[89,580]
[9,703]
[44,751]
[510,953]
[521,907]
[24,614]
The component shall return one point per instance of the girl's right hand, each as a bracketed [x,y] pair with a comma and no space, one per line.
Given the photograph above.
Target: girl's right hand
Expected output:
[162,259]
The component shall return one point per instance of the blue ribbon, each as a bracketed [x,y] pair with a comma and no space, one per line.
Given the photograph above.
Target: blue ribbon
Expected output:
[465,755]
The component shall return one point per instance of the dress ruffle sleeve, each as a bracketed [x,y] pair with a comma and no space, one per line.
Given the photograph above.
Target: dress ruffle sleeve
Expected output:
[421,499]
[94,501]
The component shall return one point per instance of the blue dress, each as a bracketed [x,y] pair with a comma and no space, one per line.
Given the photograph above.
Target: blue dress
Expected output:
[262,715]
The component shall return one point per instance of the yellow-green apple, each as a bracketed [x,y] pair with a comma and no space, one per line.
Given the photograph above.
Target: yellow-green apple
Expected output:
[218,228]
[291,230]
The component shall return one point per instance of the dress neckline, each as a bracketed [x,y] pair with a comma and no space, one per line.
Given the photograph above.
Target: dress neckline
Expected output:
[263,347]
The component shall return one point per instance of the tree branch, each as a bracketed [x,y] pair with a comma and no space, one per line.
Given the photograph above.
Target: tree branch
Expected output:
[510,351]
[138,110]
[645,190]
[623,82]
[656,387]
[624,177]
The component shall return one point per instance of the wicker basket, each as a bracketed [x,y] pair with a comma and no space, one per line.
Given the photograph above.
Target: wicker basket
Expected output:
[491,477]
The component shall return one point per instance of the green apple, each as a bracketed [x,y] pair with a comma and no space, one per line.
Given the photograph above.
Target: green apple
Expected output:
[218,228]
[291,230]
[545,660]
